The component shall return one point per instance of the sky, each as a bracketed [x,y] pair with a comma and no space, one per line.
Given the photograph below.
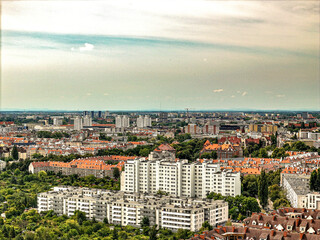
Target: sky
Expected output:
[160,55]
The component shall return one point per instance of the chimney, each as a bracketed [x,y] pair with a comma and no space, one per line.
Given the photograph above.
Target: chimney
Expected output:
[272,232]
[285,233]
[245,229]
[301,236]
[297,222]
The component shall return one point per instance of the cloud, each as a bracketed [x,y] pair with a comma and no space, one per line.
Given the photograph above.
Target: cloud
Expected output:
[218,90]
[244,94]
[87,47]
[106,94]
[88,94]
[281,95]
[233,96]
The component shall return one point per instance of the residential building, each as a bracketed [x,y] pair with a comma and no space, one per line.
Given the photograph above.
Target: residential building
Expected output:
[87,121]
[57,121]
[78,123]
[179,178]
[224,151]
[2,165]
[296,188]
[81,167]
[122,121]
[143,121]
[130,208]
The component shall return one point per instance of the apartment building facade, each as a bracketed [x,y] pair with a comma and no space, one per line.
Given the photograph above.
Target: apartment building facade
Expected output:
[298,191]
[130,208]
[179,178]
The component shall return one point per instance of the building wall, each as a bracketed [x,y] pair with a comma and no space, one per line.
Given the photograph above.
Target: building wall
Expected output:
[129,209]
[179,178]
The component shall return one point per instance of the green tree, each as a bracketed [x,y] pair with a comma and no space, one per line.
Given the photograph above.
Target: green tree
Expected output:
[15,153]
[207,226]
[145,222]
[263,189]
[281,202]
[273,140]
[153,233]
[116,173]
[115,234]
[313,180]
[317,185]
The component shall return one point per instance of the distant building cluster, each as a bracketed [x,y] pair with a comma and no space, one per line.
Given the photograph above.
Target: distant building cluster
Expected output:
[122,208]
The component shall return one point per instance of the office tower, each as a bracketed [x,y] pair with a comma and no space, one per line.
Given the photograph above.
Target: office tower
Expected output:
[92,114]
[85,113]
[99,114]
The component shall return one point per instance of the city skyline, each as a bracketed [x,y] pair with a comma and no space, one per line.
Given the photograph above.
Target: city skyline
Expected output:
[147,55]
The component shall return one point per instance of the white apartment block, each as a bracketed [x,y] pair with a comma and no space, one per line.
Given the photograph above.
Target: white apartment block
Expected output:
[2,165]
[143,121]
[87,121]
[298,191]
[78,123]
[313,200]
[122,121]
[130,208]
[179,178]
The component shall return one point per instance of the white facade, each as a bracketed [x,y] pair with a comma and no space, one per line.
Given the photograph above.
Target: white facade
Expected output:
[125,121]
[140,122]
[143,121]
[122,121]
[313,201]
[179,178]
[77,123]
[87,121]
[118,121]
[57,121]
[297,189]
[130,208]
[2,165]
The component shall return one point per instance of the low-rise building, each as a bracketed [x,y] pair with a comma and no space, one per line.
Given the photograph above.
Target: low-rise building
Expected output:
[81,167]
[130,208]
